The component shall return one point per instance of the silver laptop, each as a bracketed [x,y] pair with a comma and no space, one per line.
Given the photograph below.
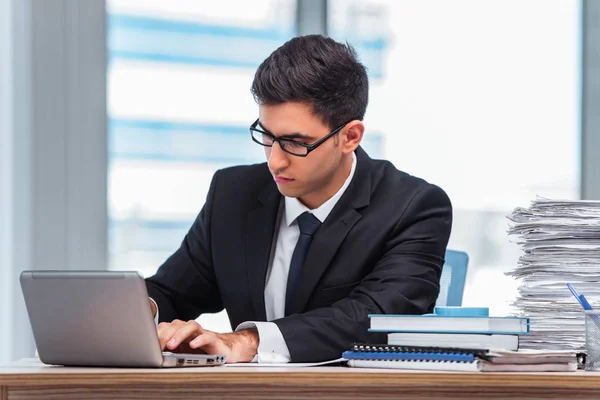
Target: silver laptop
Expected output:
[97,318]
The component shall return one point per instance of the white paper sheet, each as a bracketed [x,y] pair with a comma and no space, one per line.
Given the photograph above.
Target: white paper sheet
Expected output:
[287,365]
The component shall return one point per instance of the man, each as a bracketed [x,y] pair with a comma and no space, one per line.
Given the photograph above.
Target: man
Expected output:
[301,249]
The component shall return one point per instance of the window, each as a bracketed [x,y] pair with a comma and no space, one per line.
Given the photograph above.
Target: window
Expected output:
[179,78]
[179,105]
[480,98]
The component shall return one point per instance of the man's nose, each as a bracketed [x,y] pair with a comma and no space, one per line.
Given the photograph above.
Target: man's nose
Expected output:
[277,158]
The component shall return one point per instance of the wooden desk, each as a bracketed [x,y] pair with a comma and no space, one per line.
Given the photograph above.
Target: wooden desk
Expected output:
[28,379]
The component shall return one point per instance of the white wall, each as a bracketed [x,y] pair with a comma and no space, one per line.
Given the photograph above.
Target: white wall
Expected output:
[15,202]
[5,174]
[52,149]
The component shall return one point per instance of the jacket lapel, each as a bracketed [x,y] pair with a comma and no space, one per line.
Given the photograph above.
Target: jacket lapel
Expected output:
[261,224]
[334,230]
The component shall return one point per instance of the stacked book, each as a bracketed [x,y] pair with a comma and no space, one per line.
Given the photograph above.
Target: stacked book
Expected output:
[561,243]
[455,343]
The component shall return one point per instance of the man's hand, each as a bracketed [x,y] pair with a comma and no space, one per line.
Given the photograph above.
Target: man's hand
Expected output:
[189,337]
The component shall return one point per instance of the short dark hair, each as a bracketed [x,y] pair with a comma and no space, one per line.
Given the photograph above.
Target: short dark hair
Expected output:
[317,71]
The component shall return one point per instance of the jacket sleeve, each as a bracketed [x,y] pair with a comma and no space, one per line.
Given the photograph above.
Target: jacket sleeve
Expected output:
[185,285]
[405,280]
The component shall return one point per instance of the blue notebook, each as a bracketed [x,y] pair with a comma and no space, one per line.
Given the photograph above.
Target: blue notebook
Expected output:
[408,353]
[416,356]
[457,320]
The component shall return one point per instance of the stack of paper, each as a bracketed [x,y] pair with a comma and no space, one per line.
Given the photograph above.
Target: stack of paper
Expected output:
[561,243]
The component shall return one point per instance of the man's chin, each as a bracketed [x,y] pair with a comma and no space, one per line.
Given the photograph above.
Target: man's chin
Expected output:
[287,191]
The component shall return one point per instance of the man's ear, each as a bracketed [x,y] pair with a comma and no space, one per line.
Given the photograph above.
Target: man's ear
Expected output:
[352,135]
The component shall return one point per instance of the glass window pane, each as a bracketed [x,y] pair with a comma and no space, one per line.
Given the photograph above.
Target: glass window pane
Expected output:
[179,102]
[480,98]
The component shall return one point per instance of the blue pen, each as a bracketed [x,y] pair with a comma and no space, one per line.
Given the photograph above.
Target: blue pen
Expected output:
[580,298]
[584,303]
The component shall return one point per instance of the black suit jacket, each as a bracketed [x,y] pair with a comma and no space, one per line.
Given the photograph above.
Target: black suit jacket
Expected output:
[380,250]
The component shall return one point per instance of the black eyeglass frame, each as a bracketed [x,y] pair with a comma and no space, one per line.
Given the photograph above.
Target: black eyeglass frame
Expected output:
[309,147]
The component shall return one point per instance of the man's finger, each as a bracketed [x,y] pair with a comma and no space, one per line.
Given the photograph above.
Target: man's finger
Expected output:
[184,334]
[166,331]
[203,339]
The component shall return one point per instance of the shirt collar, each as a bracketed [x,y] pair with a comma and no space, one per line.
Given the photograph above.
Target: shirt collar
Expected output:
[293,206]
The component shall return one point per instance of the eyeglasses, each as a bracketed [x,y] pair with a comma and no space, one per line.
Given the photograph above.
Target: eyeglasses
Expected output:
[289,146]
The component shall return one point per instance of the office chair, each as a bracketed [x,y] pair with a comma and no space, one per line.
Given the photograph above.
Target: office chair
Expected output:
[452,281]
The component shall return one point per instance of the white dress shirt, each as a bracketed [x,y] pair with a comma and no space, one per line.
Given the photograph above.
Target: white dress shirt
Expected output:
[272,347]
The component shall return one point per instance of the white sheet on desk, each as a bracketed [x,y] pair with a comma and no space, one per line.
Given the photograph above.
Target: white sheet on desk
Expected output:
[287,365]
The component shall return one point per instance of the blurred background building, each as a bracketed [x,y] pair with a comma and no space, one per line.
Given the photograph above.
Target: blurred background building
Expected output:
[488,112]
[483,98]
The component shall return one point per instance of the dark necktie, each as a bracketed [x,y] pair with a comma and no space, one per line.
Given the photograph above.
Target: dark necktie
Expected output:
[308,225]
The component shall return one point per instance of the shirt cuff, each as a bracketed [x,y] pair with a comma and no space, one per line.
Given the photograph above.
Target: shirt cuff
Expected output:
[271,345]
[155,305]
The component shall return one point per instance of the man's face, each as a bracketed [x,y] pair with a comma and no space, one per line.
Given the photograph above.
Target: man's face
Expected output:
[311,179]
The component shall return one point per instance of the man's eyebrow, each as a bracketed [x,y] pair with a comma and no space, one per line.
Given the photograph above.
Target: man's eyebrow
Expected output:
[293,135]
[296,135]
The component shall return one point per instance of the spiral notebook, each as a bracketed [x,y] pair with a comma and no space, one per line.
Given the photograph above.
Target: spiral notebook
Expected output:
[472,366]
[409,357]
